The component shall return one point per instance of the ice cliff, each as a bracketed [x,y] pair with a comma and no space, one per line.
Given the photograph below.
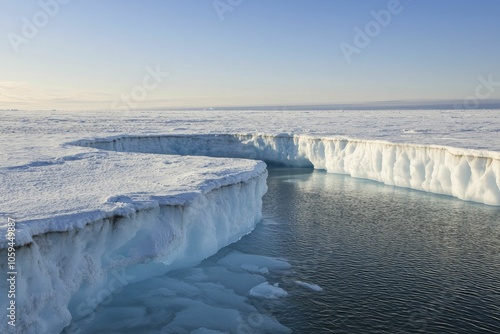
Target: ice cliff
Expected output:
[84,244]
[466,174]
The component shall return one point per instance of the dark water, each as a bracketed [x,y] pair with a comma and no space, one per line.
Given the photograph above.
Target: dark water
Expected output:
[390,260]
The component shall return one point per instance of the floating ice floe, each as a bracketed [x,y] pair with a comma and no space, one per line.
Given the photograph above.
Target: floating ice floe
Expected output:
[266,290]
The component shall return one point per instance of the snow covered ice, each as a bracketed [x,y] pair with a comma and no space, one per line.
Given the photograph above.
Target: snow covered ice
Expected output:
[97,210]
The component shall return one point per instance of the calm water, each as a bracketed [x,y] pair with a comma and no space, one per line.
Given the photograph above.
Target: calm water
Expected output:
[388,260]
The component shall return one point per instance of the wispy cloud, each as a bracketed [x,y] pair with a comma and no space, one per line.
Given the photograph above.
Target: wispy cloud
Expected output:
[22,95]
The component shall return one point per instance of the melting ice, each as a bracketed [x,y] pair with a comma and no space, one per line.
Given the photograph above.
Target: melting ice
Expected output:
[214,297]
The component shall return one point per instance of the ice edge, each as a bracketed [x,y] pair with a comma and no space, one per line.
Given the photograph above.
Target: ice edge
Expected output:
[467,174]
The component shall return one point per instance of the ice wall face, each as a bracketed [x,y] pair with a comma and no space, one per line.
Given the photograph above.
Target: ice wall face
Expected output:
[272,149]
[434,169]
[465,174]
[66,275]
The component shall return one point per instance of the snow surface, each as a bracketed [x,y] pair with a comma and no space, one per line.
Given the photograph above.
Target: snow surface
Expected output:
[95,211]
[30,136]
[71,192]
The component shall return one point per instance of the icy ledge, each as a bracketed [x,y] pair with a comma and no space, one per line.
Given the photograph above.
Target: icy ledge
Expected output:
[64,273]
[465,174]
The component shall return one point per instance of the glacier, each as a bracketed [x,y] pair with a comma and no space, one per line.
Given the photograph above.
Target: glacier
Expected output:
[101,204]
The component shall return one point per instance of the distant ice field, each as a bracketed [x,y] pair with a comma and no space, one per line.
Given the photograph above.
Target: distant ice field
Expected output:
[28,136]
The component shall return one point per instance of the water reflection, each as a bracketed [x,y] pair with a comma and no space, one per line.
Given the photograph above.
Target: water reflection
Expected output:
[388,259]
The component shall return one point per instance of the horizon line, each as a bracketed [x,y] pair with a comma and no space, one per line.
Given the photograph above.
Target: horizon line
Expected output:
[451,104]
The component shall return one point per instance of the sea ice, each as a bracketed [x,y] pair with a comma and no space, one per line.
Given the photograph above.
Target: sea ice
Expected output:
[205,299]
[266,290]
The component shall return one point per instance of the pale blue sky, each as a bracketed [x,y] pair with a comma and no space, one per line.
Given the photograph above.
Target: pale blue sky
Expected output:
[264,52]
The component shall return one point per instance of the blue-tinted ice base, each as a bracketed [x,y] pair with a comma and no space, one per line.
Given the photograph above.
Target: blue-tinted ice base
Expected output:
[214,297]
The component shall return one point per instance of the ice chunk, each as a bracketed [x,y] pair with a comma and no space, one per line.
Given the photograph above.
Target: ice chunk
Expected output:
[265,290]
[253,263]
[252,268]
[241,282]
[222,296]
[200,315]
[174,303]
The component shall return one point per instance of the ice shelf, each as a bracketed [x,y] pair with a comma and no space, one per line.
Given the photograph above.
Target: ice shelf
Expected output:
[102,200]
[69,260]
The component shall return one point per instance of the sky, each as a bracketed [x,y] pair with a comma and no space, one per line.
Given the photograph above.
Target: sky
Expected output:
[140,54]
